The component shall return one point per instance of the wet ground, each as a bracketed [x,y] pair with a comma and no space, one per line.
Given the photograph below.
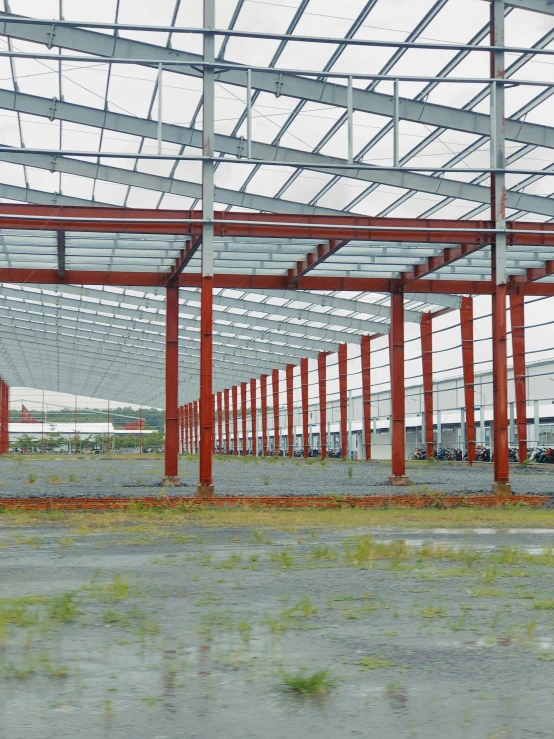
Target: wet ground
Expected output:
[185,631]
[98,476]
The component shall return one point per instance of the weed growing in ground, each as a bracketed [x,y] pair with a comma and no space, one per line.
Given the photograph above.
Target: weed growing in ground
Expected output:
[433,612]
[308,684]
[31,478]
[72,478]
[284,559]
[260,537]
[230,563]
[374,663]
[546,604]
[323,552]
[62,608]
[245,629]
[111,592]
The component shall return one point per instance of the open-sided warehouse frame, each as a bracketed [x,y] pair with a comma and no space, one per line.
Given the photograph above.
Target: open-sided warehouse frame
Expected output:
[291,252]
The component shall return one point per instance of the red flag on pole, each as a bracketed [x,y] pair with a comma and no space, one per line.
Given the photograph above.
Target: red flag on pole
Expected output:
[27,417]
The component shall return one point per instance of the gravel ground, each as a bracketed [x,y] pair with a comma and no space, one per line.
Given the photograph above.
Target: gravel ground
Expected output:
[187,632]
[96,477]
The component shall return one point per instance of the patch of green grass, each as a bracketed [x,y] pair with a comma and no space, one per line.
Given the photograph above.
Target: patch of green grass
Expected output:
[111,592]
[245,629]
[308,683]
[433,612]
[303,608]
[31,478]
[230,563]
[260,537]
[323,553]
[374,663]
[546,604]
[66,541]
[360,612]
[72,478]
[62,608]
[283,559]
[487,593]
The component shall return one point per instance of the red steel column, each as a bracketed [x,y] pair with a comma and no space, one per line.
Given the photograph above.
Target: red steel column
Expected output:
[500,386]
[253,419]
[196,427]
[214,435]
[263,394]
[185,429]
[206,384]
[322,380]
[171,456]
[3,387]
[234,392]
[290,408]
[191,428]
[220,421]
[517,313]
[304,391]
[466,326]
[243,409]
[365,353]
[427,369]
[343,398]
[226,403]
[275,391]
[398,400]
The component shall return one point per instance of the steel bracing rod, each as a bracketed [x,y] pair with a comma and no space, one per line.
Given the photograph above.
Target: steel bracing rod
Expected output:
[517,316]
[283,341]
[10,19]
[365,359]
[74,322]
[427,374]
[229,145]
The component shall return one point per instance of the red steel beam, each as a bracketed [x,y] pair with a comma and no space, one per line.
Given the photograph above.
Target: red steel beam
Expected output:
[234,392]
[206,383]
[398,401]
[304,378]
[313,259]
[365,353]
[220,421]
[243,412]
[290,409]
[226,403]
[275,391]
[263,395]
[171,454]
[185,255]
[468,363]
[343,397]
[322,382]
[281,225]
[427,370]
[265,282]
[517,314]
[253,419]
[533,273]
[449,256]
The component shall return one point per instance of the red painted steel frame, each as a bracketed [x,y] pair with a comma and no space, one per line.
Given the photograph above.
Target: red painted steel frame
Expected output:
[226,403]
[322,381]
[196,427]
[517,314]
[4,418]
[427,369]
[214,432]
[186,428]
[243,413]
[398,402]
[220,422]
[171,455]
[263,394]
[365,350]
[191,428]
[343,397]
[206,391]
[275,392]
[290,410]
[468,351]
[304,396]
[253,419]
[500,386]
[235,393]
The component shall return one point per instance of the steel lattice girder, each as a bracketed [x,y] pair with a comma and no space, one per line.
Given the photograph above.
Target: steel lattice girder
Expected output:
[230,145]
